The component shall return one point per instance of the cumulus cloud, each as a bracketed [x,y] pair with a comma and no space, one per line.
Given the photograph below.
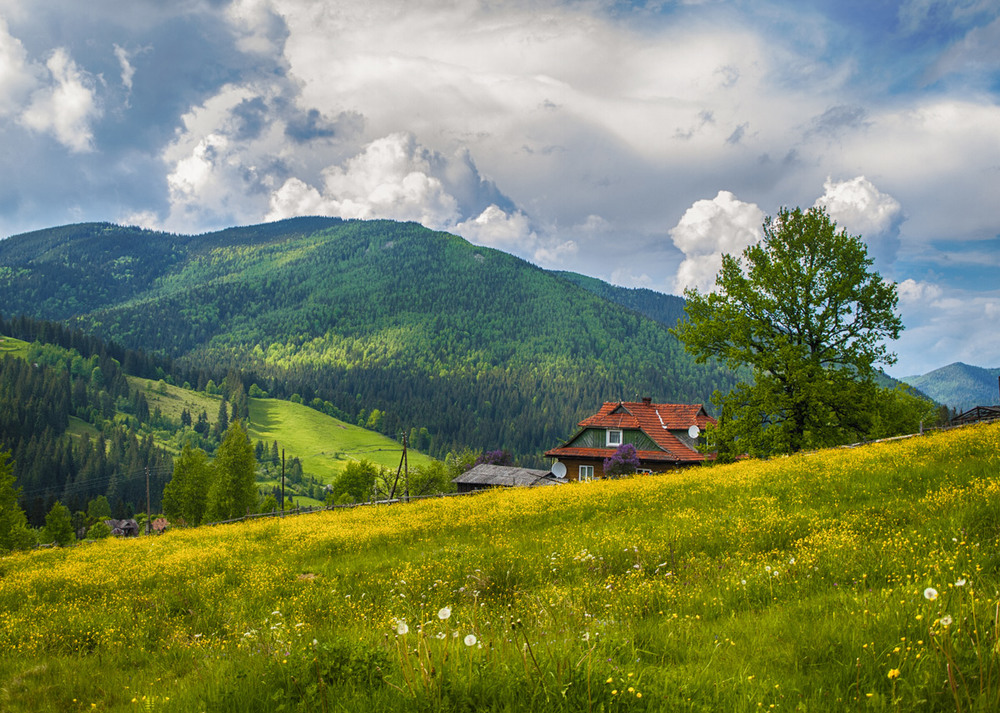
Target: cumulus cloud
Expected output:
[66,106]
[708,230]
[862,209]
[393,177]
[497,228]
[912,292]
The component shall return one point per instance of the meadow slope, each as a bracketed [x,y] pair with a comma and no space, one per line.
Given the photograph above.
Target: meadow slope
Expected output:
[862,579]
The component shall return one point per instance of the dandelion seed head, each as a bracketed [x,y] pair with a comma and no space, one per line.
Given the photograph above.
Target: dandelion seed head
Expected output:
[930,594]
[471,640]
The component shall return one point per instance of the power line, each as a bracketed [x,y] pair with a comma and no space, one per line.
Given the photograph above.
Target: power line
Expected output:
[100,483]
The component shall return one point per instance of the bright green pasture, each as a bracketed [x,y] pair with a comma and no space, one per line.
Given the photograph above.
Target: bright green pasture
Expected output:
[845,580]
[172,400]
[324,444]
[13,347]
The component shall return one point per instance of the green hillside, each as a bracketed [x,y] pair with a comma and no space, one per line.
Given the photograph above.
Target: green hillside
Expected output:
[665,309]
[324,444]
[959,386]
[479,347]
[845,580]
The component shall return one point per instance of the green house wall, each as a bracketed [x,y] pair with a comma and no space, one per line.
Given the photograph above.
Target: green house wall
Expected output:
[598,438]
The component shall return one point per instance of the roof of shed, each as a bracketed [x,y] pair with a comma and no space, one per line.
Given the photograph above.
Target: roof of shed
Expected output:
[507,476]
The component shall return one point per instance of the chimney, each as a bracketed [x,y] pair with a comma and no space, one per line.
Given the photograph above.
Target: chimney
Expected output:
[647,400]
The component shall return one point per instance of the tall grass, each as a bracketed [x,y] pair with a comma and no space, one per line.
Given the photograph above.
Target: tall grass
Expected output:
[861,579]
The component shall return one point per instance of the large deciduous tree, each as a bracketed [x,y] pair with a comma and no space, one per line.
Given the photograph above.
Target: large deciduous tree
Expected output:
[804,313]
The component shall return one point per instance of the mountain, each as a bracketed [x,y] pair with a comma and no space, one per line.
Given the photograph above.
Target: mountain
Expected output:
[387,324]
[665,309]
[959,386]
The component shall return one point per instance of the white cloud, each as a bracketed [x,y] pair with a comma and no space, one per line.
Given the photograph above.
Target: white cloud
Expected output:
[393,177]
[553,254]
[66,106]
[862,209]
[16,75]
[497,228]
[915,293]
[708,230]
[128,71]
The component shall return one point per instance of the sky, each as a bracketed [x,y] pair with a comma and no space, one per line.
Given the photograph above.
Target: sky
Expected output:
[632,141]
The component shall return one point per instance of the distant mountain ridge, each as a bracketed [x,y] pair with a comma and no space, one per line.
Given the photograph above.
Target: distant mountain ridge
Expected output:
[396,325]
[959,386]
[665,309]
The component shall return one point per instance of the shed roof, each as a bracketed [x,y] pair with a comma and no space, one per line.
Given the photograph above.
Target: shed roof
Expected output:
[506,476]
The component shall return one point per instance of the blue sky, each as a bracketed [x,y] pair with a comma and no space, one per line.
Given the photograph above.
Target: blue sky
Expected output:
[636,142]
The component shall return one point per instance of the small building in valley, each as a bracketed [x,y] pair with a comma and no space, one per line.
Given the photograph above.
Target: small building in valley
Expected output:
[665,437]
[487,475]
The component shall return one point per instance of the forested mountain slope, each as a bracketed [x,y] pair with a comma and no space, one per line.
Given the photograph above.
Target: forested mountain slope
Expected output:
[959,386]
[481,348]
[665,309]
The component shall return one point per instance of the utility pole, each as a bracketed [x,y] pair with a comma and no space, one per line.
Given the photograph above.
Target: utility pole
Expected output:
[147,499]
[406,469]
[282,482]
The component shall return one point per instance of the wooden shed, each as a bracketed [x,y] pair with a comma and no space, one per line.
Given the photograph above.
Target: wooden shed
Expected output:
[503,476]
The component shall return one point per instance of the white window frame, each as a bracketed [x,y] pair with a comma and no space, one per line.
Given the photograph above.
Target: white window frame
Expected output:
[621,438]
[585,473]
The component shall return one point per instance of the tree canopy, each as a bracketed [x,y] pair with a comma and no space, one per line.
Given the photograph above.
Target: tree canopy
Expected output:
[233,492]
[804,313]
[14,532]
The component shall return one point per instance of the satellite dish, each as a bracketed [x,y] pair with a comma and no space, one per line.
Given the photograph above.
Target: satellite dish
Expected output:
[694,431]
[559,469]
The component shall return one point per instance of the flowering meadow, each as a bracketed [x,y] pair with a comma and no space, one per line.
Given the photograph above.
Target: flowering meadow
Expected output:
[849,579]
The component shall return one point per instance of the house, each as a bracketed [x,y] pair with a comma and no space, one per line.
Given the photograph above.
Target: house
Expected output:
[665,437]
[503,476]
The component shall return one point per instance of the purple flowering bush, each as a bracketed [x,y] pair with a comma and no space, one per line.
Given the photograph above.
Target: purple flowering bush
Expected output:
[624,461]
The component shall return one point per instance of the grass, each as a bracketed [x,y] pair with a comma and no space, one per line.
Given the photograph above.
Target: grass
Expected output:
[13,347]
[323,444]
[846,580]
[171,400]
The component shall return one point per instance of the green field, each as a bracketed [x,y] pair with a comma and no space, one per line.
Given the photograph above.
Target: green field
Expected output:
[844,580]
[171,400]
[13,347]
[324,444]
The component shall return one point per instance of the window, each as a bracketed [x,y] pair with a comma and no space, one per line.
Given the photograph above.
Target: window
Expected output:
[614,438]
[586,473]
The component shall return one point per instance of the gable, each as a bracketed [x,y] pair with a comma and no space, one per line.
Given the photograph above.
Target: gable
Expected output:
[597,438]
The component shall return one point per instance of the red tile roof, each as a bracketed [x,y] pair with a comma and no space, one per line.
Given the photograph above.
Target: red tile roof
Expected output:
[655,420]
